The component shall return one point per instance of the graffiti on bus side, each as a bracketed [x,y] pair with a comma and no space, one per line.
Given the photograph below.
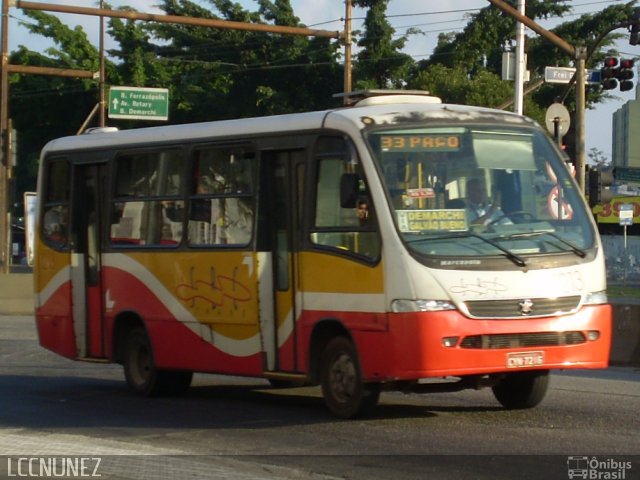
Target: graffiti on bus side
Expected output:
[215,291]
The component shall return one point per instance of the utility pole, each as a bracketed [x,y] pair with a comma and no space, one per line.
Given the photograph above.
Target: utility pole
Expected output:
[347,50]
[520,63]
[5,148]
[102,72]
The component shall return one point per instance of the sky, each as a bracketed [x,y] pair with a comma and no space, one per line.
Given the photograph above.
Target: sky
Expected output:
[431,16]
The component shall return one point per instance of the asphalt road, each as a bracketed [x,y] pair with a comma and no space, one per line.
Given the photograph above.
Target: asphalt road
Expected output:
[57,410]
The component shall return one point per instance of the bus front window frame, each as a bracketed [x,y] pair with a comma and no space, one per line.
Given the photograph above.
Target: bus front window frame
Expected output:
[425,170]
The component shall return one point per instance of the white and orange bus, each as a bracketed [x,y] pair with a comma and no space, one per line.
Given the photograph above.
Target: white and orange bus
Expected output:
[336,248]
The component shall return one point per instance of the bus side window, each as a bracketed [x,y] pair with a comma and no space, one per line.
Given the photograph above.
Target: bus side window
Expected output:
[221,204]
[55,224]
[350,226]
[56,203]
[148,208]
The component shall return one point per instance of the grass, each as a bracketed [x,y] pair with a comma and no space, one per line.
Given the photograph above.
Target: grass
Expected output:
[623,291]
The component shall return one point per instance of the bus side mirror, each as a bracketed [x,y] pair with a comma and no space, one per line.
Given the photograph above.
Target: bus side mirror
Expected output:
[349,190]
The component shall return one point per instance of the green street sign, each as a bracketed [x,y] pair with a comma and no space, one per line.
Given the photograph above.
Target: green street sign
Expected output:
[135,103]
[627,174]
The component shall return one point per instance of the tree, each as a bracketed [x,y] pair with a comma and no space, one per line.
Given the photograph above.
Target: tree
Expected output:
[454,85]
[42,107]
[380,63]
[597,157]
[477,51]
[218,73]
[244,73]
[585,30]
[211,73]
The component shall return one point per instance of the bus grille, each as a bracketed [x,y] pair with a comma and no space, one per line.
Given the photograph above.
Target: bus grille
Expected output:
[518,340]
[513,308]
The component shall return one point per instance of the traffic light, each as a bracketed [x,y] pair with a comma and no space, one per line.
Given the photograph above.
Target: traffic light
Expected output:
[617,72]
[599,181]
[608,73]
[625,74]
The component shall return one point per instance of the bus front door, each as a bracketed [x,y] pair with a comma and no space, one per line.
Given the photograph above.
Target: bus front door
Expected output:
[283,196]
[85,266]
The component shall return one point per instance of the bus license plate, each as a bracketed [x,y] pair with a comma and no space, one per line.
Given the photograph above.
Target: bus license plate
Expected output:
[524,359]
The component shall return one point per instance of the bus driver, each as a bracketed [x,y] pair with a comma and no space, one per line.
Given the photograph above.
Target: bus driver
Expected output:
[480,211]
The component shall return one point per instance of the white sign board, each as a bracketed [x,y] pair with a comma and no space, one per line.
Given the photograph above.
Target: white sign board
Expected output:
[626,214]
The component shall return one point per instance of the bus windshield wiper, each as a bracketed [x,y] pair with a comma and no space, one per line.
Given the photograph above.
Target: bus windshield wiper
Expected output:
[509,254]
[574,248]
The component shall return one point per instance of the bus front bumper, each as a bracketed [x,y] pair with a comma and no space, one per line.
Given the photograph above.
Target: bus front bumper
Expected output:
[447,343]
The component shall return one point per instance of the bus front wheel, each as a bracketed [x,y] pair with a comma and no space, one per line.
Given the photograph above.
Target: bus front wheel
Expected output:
[141,373]
[522,389]
[343,390]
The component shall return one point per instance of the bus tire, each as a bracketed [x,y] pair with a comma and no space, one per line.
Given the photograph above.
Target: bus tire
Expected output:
[343,390]
[522,389]
[141,373]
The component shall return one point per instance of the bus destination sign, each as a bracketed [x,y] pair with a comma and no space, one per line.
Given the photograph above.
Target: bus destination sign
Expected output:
[420,143]
[139,103]
[421,220]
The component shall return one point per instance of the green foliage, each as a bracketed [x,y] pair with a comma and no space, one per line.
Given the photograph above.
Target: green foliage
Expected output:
[585,30]
[74,49]
[454,85]
[221,73]
[380,64]
[241,73]
[597,157]
[43,107]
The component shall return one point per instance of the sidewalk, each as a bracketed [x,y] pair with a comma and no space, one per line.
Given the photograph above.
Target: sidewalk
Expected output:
[16,294]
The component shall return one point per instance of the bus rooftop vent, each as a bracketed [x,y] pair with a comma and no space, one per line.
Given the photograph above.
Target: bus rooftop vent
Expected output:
[383,97]
[100,130]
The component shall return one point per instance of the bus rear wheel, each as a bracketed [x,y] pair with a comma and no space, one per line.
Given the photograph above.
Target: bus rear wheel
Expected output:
[522,389]
[343,390]
[141,373]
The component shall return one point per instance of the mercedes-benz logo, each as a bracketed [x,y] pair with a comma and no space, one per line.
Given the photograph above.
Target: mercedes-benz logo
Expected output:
[526,306]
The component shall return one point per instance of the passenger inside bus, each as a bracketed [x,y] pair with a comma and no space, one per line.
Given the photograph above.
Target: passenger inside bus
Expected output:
[363,210]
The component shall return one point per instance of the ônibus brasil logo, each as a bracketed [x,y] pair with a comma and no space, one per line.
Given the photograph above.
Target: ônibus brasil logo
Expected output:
[593,468]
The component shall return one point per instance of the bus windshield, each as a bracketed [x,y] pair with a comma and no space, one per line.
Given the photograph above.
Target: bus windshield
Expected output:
[481,191]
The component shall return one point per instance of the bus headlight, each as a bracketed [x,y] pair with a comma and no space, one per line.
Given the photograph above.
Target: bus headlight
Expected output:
[596,298]
[403,306]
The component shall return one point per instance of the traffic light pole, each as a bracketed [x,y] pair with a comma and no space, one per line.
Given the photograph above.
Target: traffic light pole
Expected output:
[579,55]
[581,157]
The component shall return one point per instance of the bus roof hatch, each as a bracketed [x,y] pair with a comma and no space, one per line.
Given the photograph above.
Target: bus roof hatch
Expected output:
[363,98]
